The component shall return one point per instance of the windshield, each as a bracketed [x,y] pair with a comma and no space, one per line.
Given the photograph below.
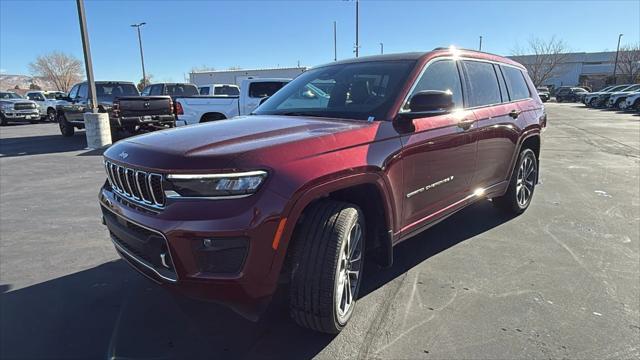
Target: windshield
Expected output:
[618,88]
[9,95]
[181,90]
[108,92]
[361,91]
[632,88]
[55,95]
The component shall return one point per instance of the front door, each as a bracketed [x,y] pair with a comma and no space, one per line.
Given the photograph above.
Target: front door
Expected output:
[439,155]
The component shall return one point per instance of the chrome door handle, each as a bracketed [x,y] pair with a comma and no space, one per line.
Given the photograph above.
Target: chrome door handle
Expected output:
[515,113]
[466,123]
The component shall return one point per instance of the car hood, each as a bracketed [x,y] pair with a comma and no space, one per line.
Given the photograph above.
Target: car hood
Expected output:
[217,145]
[13,101]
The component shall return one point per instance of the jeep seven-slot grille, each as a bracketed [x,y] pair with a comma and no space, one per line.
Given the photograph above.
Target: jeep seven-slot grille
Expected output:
[140,186]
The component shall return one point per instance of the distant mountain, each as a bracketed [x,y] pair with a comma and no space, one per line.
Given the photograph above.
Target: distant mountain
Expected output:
[9,82]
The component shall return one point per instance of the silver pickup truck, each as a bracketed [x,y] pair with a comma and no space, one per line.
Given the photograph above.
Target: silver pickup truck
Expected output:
[15,108]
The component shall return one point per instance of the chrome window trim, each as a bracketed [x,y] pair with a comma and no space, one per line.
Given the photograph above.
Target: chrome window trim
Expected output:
[455,59]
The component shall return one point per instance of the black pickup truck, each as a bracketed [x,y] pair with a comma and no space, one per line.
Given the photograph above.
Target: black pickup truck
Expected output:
[128,111]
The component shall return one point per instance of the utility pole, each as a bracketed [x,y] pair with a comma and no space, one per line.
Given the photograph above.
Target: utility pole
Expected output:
[357,50]
[335,40]
[88,64]
[381,49]
[144,74]
[615,64]
[480,47]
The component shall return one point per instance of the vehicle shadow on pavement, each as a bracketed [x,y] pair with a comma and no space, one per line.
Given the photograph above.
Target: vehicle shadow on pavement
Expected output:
[467,223]
[110,311]
[45,144]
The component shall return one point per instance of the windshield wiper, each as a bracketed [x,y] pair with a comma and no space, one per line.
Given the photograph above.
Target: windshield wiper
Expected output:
[299,113]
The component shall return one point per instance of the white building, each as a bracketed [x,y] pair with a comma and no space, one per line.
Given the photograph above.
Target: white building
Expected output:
[590,69]
[201,78]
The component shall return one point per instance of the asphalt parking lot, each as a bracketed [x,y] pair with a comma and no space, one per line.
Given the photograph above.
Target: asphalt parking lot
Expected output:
[560,281]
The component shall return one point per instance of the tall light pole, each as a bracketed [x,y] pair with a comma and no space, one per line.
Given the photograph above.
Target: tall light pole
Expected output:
[144,74]
[335,46]
[480,47]
[615,64]
[357,49]
[381,48]
[88,64]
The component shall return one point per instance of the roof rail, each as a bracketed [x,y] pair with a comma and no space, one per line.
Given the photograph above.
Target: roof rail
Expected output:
[463,49]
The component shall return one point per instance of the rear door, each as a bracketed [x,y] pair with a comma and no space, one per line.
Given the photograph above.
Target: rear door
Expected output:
[495,132]
[438,158]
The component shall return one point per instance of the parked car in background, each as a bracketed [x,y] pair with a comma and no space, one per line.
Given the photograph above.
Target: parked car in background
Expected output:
[15,108]
[543,93]
[306,189]
[603,97]
[128,111]
[632,102]
[590,98]
[219,90]
[173,90]
[617,99]
[199,109]
[569,94]
[47,102]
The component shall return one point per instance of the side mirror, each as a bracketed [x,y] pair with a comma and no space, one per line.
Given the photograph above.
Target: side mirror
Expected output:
[431,101]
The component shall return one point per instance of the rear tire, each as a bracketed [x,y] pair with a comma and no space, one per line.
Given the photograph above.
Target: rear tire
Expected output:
[327,260]
[211,117]
[66,128]
[521,186]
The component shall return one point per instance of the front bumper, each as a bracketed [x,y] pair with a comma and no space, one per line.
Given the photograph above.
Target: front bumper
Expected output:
[21,115]
[168,246]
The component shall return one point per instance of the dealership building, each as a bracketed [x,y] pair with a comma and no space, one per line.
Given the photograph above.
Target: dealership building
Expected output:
[581,68]
[200,78]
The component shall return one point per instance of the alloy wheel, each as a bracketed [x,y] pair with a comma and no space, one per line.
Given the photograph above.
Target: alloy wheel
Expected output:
[348,273]
[525,181]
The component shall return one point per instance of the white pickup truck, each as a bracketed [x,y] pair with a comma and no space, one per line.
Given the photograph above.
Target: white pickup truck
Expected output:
[198,109]
[47,102]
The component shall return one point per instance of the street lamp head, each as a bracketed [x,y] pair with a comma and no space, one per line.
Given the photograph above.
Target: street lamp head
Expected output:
[138,25]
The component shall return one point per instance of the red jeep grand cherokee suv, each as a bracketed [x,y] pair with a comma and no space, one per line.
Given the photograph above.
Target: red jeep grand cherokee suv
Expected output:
[346,160]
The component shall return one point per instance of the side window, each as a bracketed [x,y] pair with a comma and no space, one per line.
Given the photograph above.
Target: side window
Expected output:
[74,91]
[264,88]
[204,90]
[518,88]
[83,92]
[501,82]
[31,96]
[441,75]
[484,84]
[146,91]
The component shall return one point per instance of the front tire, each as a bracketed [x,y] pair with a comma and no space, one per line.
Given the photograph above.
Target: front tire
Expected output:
[51,115]
[523,182]
[327,262]
[66,128]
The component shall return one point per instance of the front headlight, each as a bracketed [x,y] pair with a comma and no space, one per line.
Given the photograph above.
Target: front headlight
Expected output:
[7,106]
[214,185]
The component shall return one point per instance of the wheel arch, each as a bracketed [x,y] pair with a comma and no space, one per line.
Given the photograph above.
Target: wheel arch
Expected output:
[366,190]
[214,115]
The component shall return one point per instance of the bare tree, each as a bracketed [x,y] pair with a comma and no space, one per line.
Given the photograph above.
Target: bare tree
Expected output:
[542,58]
[144,82]
[60,69]
[629,62]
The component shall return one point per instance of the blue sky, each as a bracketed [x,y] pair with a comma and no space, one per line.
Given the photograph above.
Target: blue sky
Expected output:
[181,35]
